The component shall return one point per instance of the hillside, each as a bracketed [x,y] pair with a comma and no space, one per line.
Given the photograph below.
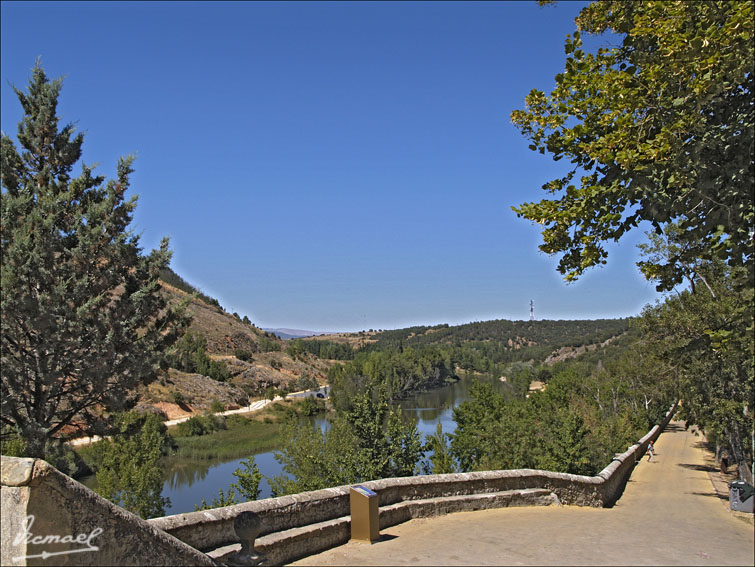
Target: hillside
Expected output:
[258,361]
[294,333]
[266,363]
[537,340]
[516,334]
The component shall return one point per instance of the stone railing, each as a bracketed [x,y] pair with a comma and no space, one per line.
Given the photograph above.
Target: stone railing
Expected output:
[310,522]
[50,519]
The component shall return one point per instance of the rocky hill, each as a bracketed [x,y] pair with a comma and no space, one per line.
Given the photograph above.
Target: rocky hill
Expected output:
[257,361]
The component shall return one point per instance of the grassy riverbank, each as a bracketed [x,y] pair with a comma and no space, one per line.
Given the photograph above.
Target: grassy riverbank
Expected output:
[240,435]
[244,434]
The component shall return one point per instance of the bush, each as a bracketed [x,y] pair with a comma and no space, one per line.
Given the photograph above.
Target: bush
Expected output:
[128,465]
[269,345]
[311,406]
[307,382]
[11,444]
[235,420]
[201,424]
[248,485]
[191,427]
[178,398]
[190,355]
[216,406]
[243,354]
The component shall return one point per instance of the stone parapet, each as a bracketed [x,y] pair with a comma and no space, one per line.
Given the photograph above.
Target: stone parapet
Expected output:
[212,529]
[46,514]
[50,519]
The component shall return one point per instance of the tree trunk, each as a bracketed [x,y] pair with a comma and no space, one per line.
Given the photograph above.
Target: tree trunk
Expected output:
[35,443]
[743,467]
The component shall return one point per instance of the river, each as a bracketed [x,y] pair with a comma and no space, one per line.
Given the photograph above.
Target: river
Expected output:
[187,481]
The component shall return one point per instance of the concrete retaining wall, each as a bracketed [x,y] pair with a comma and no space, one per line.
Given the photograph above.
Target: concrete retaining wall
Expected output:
[211,529]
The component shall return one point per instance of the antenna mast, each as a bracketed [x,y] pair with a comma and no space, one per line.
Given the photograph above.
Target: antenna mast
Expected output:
[532,309]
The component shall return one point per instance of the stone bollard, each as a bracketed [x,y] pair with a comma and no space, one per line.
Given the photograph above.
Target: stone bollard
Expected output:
[247,526]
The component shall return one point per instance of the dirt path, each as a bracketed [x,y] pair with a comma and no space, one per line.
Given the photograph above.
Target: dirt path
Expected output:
[255,406]
[669,514]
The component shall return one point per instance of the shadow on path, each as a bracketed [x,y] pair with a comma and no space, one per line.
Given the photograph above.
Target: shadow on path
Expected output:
[709,494]
[697,467]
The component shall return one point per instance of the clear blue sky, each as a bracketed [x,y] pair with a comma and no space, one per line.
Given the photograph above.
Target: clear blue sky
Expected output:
[326,166]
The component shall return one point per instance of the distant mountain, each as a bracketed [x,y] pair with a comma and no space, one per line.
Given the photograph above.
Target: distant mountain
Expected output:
[294,333]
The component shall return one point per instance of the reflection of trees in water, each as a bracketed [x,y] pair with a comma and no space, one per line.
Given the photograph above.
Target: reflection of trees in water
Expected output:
[184,472]
[429,407]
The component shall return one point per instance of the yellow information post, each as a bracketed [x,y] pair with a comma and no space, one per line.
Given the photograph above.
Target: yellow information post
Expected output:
[365,517]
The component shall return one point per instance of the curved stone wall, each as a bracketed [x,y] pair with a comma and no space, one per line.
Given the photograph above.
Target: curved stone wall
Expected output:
[211,529]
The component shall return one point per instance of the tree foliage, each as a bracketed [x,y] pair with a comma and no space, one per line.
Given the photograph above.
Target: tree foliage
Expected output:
[575,425]
[83,320]
[441,461]
[128,466]
[190,355]
[658,128]
[703,341]
[394,372]
[370,440]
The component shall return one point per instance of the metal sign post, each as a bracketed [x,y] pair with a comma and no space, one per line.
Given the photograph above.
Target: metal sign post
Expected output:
[365,518]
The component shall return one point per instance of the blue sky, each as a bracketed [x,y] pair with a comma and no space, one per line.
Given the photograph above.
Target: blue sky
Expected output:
[326,165]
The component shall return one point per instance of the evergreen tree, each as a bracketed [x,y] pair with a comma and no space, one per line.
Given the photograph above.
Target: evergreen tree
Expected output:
[83,320]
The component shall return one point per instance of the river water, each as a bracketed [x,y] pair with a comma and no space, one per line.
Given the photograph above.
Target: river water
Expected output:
[187,482]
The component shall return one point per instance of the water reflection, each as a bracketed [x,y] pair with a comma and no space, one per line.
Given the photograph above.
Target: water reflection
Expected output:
[437,405]
[189,481]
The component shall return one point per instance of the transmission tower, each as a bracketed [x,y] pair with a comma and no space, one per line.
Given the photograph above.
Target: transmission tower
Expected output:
[532,309]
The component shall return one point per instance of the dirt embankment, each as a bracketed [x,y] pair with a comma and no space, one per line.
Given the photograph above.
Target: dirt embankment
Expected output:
[565,353]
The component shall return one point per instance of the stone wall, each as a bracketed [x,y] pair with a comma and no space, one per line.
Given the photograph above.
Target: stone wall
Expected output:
[39,502]
[50,519]
[211,529]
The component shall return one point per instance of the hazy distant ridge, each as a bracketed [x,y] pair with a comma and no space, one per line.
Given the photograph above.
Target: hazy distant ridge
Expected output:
[294,333]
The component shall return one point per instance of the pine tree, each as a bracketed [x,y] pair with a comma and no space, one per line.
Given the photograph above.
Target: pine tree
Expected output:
[83,320]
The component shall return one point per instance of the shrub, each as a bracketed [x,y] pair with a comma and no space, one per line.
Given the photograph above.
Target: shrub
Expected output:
[11,444]
[201,424]
[128,465]
[243,354]
[190,355]
[178,398]
[269,345]
[191,427]
[311,406]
